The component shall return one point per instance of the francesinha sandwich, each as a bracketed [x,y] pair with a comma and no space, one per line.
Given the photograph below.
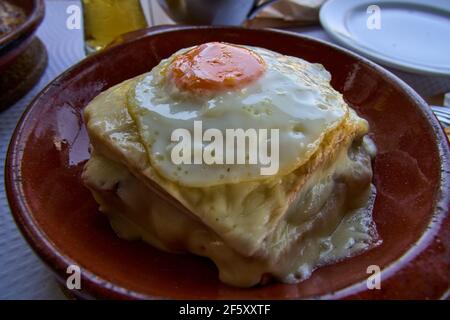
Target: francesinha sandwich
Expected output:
[235,153]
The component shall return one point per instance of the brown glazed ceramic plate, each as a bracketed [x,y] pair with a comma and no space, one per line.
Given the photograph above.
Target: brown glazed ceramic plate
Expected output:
[60,220]
[13,43]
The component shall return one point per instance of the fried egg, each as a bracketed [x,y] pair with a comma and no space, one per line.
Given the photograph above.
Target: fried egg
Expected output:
[224,87]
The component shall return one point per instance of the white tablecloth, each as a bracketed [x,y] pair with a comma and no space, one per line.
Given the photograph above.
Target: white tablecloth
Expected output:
[22,274]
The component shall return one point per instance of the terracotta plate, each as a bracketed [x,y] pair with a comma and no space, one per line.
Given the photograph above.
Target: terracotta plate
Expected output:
[59,217]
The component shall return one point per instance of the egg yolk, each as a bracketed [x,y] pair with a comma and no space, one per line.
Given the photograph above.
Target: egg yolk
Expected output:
[216,66]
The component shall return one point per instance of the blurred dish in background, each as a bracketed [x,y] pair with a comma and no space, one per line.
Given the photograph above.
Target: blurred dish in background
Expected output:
[19,77]
[410,35]
[218,12]
[17,31]
[10,17]
[23,58]
[105,20]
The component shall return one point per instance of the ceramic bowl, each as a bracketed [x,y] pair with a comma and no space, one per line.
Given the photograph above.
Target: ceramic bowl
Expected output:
[13,43]
[60,219]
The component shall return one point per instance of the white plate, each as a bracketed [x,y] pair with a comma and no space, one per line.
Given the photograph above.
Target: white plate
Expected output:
[414,35]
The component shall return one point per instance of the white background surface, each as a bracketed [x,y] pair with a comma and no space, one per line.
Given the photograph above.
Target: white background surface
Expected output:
[22,274]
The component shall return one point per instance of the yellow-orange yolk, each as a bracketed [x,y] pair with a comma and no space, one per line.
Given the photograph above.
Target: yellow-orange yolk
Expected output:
[216,66]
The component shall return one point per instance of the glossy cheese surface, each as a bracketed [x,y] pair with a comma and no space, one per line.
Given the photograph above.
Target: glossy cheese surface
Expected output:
[317,210]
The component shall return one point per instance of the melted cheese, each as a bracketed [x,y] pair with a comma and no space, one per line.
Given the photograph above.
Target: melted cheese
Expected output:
[324,224]
[244,213]
[284,226]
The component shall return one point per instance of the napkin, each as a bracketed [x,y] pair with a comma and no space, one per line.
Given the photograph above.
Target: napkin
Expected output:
[286,13]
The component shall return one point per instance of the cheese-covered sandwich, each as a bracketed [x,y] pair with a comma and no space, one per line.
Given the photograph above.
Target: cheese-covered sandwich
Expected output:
[239,154]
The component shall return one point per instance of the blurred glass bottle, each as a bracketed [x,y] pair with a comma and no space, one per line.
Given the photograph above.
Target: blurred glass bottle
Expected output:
[105,20]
